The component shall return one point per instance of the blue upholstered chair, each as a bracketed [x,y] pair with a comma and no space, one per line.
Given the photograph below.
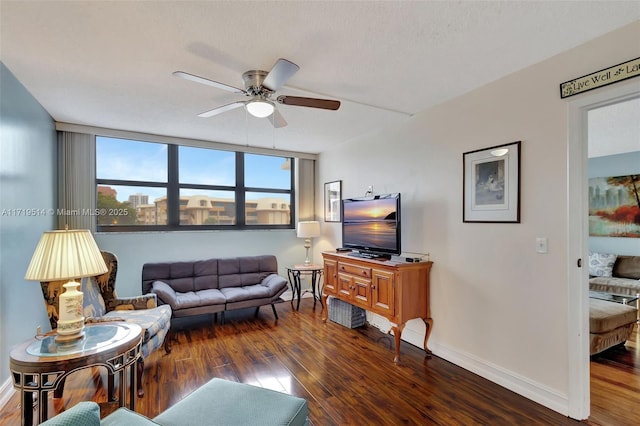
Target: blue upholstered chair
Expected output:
[101,304]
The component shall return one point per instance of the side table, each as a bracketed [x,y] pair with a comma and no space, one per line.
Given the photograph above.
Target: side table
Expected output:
[41,364]
[315,271]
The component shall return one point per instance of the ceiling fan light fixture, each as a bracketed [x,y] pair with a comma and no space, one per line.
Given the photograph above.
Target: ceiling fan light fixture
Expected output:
[260,108]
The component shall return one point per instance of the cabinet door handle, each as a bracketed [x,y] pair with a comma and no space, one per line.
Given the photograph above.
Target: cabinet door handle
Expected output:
[373,287]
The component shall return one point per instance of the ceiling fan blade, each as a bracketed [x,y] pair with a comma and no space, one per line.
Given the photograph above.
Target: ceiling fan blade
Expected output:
[208,82]
[279,74]
[309,102]
[278,120]
[221,109]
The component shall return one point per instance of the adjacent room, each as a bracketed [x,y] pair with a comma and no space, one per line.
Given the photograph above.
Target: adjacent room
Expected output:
[409,212]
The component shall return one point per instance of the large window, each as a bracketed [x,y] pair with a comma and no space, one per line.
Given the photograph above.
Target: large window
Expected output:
[145,186]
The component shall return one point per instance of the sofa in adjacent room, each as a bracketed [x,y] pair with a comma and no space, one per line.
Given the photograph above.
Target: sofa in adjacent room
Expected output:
[611,273]
[611,323]
[215,285]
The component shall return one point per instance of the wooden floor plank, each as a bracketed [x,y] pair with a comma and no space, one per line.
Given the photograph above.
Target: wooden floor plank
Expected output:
[346,375]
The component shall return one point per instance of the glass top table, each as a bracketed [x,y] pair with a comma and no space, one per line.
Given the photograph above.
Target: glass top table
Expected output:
[611,297]
[40,365]
[94,338]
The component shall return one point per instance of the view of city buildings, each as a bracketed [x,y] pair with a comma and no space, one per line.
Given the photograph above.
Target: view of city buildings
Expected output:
[204,210]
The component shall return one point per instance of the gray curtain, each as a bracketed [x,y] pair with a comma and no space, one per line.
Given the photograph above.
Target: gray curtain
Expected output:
[305,188]
[76,181]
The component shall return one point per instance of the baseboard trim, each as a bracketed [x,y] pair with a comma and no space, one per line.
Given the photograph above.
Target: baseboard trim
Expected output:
[521,385]
[288,295]
[6,392]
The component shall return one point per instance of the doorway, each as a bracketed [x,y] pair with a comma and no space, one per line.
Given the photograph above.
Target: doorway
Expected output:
[577,225]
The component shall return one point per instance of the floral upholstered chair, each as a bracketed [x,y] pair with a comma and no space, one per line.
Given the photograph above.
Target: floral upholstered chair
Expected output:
[102,304]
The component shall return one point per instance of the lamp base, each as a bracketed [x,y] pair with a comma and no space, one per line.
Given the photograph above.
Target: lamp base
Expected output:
[66,338]
[71,320]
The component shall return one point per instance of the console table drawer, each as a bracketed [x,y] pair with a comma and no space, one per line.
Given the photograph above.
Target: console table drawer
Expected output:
[358,271]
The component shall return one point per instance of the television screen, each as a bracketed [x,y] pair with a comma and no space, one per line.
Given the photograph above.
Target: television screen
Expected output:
[372,224]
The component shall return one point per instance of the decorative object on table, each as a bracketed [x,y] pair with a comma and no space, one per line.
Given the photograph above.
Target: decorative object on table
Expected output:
[614,206]
[332,197]
[491,184]
[307,230]
[67,255]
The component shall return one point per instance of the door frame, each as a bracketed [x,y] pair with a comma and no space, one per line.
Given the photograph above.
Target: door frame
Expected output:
[578,237]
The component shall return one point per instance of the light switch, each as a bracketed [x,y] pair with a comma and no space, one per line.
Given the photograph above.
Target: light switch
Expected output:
[542,245]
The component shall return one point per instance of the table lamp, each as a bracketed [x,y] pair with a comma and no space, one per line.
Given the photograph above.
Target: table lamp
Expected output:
[67,255]
[308,230]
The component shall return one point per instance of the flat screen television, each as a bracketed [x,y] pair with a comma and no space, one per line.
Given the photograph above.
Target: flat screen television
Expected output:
[371,225]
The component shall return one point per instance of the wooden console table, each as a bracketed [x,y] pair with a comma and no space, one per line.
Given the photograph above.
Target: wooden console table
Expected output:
[398,291]
[40,365]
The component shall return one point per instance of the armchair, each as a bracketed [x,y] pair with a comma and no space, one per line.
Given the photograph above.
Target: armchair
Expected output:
[101,303]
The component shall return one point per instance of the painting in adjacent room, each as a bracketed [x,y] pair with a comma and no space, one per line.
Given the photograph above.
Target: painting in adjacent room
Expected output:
[614,206]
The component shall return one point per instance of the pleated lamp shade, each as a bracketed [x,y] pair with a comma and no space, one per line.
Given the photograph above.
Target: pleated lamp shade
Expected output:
[66,254]
[308,229]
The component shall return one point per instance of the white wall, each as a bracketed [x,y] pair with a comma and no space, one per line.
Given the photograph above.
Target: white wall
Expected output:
[615,165]
[499,308]
[27,181]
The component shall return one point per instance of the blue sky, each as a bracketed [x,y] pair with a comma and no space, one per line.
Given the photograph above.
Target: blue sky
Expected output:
[147,161]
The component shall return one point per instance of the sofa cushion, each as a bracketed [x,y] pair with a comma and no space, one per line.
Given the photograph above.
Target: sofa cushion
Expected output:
[189,299]
[627,267]
[271,286]
[606,316]
[601,264]
[238,294]
[85,413]
[206,274]
[245,271]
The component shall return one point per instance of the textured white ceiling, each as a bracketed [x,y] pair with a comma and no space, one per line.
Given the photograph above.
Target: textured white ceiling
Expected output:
[109,64]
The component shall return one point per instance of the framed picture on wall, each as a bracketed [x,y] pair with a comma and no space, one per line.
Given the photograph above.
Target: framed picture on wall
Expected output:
[332,197]
[491,184]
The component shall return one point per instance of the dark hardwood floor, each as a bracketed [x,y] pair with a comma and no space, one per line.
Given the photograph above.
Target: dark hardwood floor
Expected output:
[347,376]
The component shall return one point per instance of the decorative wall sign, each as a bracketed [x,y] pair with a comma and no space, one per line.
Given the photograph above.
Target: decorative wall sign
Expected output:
[601,78]
[491,184]
[332,198]
[614,206]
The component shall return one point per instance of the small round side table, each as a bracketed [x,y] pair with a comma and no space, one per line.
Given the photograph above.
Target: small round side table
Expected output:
[315,271]
[41,364]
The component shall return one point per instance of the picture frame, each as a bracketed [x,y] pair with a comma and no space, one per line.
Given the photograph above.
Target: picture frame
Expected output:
[332,198]
[491,184]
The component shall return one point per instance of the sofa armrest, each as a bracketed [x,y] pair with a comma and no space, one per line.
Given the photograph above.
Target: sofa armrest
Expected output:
[275,283]
[146,301]
[165,292]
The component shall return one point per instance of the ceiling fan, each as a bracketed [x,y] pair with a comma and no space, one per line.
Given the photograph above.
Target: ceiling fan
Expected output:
[260,86]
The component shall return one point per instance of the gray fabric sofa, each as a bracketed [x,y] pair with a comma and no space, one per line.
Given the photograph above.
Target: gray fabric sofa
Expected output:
[215,285]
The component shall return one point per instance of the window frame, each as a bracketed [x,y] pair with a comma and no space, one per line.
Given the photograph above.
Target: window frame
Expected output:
[173,187]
